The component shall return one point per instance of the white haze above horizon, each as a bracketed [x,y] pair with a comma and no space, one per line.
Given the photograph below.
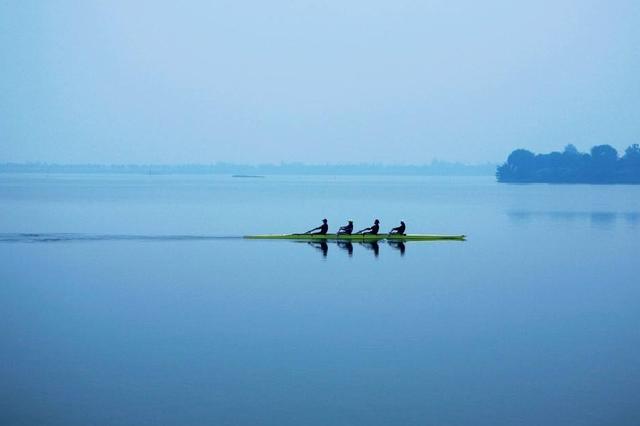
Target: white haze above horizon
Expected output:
[315,81]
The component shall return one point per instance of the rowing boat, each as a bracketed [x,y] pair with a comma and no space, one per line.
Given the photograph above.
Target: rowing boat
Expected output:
[356,237]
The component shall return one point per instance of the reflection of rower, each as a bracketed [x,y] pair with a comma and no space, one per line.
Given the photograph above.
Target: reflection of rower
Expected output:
[373,230]
[399,230]
[347,229]
[398,245]
[346,245]
[320,245]
[322,229]
[373,245]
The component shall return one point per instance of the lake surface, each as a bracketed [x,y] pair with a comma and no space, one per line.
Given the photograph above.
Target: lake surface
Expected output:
[122,304]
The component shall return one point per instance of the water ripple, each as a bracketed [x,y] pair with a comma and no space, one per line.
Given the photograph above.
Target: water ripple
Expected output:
[75,237]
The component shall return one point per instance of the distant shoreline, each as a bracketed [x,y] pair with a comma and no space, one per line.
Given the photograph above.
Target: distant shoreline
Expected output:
[435,168]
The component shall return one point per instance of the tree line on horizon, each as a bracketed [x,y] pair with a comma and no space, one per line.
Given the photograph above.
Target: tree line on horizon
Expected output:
[601,165]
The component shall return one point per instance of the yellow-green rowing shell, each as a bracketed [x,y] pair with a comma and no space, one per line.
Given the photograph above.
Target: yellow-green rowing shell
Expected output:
[357,237]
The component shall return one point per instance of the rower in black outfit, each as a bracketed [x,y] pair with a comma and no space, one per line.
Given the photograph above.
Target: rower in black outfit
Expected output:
[322,229]
[373,230]
[399,230]
[347,229]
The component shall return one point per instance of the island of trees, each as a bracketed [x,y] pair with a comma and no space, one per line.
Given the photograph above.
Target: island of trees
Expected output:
[601,165]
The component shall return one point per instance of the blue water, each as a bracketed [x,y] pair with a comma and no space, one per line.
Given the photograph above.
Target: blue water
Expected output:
[129,300]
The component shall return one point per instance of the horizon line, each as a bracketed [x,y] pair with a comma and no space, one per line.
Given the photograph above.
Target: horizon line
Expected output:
[433,162]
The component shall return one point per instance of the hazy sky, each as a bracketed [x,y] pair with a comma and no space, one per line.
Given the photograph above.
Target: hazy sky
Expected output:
[314,81]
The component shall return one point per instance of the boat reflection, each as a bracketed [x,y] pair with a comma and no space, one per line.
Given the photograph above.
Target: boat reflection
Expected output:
[373,245]
[398,245]
[322,246]
[346,245]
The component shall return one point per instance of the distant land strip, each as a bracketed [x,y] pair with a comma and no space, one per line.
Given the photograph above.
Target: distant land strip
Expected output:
[435,168]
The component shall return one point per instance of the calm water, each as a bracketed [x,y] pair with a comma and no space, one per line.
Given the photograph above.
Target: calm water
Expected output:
[127,309]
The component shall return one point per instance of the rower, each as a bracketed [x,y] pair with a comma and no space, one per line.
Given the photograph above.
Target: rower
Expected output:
[399,230]
[322,229]
[347,229]
[373,230]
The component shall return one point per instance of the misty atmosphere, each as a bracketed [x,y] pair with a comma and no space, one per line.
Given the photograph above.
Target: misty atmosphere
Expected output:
[285,213]
[314,82]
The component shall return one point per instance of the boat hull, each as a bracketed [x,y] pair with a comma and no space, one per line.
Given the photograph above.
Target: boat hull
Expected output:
[356,237]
